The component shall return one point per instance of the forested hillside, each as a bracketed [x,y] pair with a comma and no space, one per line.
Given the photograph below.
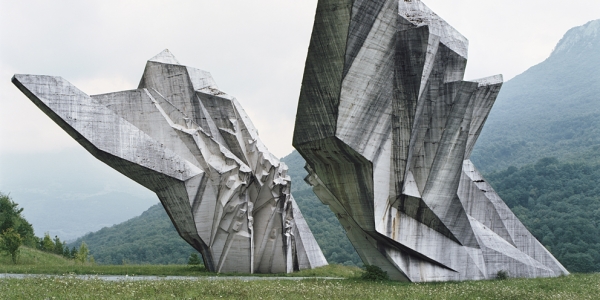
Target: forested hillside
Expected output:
[147,239]
[551,110]
[560,204]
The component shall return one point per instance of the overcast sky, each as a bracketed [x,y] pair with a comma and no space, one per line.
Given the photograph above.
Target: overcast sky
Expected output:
[255,50]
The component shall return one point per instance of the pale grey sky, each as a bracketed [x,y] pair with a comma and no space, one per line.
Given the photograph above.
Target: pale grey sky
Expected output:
[254,49]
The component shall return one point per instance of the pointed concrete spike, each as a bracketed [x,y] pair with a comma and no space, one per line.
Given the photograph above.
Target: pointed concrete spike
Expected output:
[165,57]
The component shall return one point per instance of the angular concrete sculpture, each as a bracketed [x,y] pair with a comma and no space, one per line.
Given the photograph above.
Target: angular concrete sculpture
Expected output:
[195,147]
[386,125]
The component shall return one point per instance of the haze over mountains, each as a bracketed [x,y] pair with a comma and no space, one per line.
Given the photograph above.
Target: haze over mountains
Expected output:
[71,195]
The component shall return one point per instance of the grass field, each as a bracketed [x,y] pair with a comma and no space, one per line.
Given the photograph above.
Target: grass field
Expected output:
[578,286]
[568,287]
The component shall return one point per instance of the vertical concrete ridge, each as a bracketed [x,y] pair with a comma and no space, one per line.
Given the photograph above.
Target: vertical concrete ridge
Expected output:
[322,79]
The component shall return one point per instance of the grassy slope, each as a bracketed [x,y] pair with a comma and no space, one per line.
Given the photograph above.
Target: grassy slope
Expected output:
[33,261]
[568,287]
[31,257]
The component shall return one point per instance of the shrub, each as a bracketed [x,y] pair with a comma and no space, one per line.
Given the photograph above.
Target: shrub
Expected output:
[374,273]
[82,253]
[502,275]
[10,241]
[194,260]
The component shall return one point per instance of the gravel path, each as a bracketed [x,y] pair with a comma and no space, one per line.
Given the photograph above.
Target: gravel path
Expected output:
[143,277]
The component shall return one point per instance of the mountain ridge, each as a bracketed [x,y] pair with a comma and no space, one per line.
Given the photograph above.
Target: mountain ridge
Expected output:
[552,109]
[574,36]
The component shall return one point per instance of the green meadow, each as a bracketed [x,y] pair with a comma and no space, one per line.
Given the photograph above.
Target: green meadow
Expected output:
[577,286]
[567,287]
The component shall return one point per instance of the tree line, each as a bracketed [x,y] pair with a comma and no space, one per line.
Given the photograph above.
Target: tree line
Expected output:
[16,231]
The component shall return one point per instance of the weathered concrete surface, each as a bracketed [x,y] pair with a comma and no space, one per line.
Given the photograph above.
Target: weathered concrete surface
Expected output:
[192,144]
[387,125]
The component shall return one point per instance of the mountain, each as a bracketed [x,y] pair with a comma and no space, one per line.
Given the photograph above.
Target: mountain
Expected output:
[550,110]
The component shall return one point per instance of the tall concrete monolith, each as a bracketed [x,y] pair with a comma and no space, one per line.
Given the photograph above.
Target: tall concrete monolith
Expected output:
[387,124]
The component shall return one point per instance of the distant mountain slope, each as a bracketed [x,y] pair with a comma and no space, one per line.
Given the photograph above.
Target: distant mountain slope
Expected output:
[71,193]
[149,238]
[552,109]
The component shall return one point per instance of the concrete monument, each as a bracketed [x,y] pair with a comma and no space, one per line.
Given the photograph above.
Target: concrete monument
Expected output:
[195,147]
[387,124]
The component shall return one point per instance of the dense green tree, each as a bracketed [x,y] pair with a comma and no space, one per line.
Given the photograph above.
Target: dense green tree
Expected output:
[66,252]
[47,244]
[9,213]
[58,246]
[82,253]
[10,217]
[10,241]
[194,260]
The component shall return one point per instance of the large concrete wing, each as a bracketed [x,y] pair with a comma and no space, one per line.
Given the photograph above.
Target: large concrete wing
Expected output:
[193,145]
